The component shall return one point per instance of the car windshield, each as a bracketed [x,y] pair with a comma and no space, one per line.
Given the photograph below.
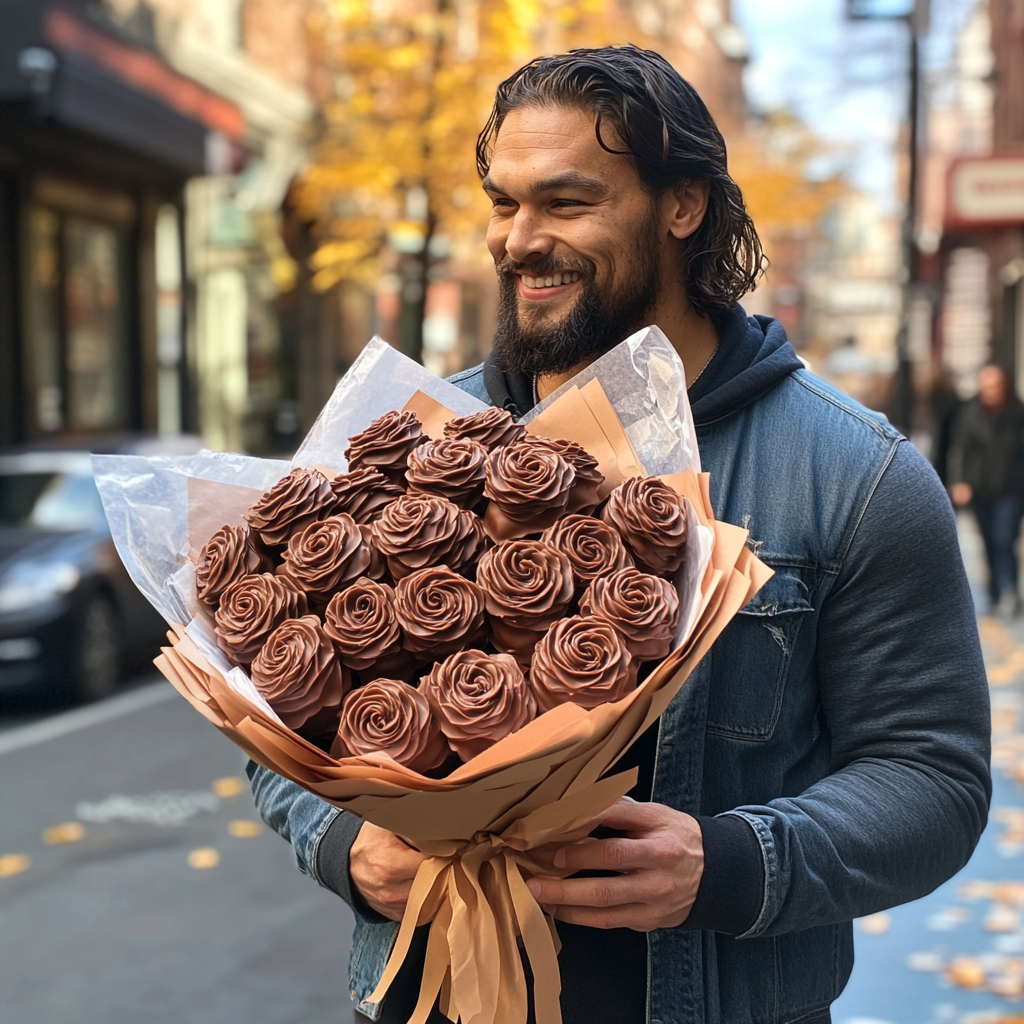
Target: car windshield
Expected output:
[50,501]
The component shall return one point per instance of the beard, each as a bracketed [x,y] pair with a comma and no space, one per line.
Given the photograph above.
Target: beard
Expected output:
[596,322]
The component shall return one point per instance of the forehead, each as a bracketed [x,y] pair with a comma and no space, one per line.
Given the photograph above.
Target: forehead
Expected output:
[541,142]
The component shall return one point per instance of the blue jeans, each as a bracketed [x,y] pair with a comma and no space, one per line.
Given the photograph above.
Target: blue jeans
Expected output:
[999,523]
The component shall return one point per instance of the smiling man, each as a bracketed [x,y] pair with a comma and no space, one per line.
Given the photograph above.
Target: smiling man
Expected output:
[829,758]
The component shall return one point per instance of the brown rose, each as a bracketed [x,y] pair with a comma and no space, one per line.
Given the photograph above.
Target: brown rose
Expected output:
[440,612]
[386,443]
[298,672]
[226,557]
[295,501]
[478,699]
[417,531]
[651,519]
[593,549]
[326,557]
[643,608]
[527,585]
[362,623]
[529,485]
[581,661]
[390,717]
[250,610]
[363,493]
[584,495]
[452,469]
[493,428]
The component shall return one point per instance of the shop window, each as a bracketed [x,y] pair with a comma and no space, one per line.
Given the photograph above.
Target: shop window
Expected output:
[76,337]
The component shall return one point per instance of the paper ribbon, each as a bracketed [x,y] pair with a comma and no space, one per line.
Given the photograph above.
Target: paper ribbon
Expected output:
[474,896]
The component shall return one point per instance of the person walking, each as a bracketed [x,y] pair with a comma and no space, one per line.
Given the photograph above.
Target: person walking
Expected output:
[988,476]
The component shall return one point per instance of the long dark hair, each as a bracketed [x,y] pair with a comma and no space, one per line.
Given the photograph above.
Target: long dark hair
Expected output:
[669,135]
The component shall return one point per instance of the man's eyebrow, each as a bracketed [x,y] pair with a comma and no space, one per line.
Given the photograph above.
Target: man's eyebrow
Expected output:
[567,179]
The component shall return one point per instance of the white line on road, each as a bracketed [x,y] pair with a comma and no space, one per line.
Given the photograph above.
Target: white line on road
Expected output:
[83,718]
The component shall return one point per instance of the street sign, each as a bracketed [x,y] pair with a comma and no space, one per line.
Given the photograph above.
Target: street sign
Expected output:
[985,192]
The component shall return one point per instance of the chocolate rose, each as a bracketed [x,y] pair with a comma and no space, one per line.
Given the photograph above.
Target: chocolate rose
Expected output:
[363,493]
[390,717]
[643,608]
[362,623]
[478,699]
[226,557]
[527,585]
[295,501]
[325,557]
[584,495]
[440,612]
[582,661]
[493,428]
[250,610]
[298,672]
[452,469]
[386,443]
[529,485]
[593,549]
[417,531]
[651,519]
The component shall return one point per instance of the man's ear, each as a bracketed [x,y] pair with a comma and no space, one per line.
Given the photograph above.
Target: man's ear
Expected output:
[687,204]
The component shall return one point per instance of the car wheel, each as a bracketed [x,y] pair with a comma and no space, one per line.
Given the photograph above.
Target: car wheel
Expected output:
[96,656]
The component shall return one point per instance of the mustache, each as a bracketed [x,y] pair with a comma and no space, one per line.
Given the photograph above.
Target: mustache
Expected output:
[544,266]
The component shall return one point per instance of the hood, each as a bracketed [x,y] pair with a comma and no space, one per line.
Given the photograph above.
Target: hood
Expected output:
[753,355]
[22,544]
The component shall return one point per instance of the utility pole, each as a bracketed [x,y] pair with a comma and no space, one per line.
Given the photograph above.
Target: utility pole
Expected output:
[916,19]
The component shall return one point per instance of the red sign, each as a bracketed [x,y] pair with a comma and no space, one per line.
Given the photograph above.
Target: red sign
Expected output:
[986,192]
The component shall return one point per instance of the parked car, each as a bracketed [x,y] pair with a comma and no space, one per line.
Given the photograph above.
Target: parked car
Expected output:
[70,617]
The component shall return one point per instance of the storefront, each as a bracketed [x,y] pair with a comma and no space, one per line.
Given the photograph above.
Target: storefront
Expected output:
[98,137]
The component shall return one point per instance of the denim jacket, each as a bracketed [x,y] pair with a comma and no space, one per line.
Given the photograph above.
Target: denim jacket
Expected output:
[843,715]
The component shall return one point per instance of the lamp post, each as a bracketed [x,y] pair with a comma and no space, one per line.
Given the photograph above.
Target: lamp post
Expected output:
[915,15]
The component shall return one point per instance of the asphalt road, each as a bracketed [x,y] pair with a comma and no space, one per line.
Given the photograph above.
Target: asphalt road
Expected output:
[132,893]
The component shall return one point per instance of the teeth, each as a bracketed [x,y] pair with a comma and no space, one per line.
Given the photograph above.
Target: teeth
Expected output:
[553,280]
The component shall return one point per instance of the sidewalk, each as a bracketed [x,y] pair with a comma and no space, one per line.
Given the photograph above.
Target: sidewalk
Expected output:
[957,956]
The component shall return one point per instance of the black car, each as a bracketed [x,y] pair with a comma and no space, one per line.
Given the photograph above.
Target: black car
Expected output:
[70,617]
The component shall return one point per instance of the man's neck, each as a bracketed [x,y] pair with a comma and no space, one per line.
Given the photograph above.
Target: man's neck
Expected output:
[694,337]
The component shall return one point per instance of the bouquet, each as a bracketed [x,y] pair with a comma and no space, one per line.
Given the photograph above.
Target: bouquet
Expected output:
[449,624]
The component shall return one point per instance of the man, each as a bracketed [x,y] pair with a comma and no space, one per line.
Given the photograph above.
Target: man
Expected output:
[988,445]
[829,757]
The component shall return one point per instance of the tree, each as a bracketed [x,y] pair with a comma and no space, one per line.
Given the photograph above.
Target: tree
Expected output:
[414,81]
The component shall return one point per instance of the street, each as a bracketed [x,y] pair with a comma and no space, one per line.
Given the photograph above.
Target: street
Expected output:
[137,885]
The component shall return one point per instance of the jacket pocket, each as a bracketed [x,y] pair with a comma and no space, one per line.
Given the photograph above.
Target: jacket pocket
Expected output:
[751,659]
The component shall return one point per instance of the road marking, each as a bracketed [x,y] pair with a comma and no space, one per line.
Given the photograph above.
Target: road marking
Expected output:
[245,829]
[69,832]
[203,858]
[229,786]
[165,810]
[82,718]
[14,864]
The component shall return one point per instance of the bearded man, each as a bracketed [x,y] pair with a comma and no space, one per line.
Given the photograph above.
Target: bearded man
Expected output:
[829,757]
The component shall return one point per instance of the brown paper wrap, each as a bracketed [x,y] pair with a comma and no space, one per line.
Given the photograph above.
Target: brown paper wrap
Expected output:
[490,824]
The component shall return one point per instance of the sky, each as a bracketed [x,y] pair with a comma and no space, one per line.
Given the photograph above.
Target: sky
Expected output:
[847,80]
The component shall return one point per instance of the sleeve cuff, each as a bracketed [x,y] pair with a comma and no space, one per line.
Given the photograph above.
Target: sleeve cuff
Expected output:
[332,865]
[731,889]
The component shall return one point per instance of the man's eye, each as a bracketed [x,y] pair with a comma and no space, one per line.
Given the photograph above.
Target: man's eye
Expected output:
[567,203]
[502,203]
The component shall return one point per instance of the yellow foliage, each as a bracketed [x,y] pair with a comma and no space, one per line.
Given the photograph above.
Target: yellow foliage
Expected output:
[414,81]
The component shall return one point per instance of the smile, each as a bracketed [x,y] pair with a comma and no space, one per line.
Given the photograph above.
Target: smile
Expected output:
[554,280]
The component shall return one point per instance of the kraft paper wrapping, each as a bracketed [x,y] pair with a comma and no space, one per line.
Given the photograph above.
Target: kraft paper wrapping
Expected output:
[496,820]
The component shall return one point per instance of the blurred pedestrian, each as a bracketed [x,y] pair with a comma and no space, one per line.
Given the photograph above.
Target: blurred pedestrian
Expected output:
[987,474]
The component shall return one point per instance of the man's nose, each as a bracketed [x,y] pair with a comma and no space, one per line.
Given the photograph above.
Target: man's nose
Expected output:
[527,240]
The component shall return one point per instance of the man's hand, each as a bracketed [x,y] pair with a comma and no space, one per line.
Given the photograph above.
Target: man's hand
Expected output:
[961,494]
[661,863]
[382,869]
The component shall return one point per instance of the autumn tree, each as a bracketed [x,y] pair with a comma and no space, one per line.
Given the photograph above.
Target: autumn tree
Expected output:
[414,81]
